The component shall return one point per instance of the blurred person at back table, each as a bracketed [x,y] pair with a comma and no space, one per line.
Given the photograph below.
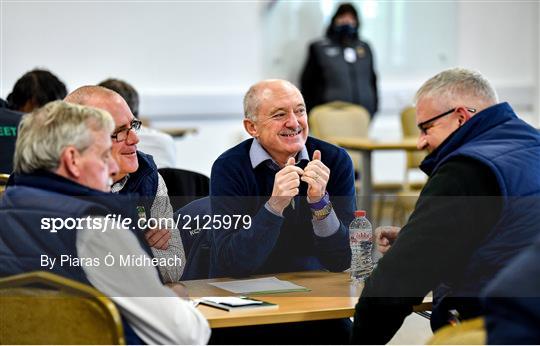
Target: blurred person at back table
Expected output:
[33,90]
[9,120]
[153,142]
[340,67]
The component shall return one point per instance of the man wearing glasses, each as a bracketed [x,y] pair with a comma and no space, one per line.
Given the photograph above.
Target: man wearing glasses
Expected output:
[478,210]
[137,173]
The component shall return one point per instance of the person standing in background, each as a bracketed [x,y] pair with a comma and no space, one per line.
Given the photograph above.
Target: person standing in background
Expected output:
[340,66]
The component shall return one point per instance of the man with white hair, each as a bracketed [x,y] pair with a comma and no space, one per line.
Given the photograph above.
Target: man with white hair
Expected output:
[297,191]
[478,210]
[64,169]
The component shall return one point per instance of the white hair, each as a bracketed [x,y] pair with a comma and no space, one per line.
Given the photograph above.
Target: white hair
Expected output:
[47,131]
[457,84]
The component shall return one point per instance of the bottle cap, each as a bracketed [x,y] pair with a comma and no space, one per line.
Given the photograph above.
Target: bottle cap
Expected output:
[360,213]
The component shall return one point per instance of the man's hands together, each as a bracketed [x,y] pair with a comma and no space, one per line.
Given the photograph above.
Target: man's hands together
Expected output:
[287,182]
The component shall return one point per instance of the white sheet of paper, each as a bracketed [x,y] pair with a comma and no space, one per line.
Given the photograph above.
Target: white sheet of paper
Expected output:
[267,285]
[232,301]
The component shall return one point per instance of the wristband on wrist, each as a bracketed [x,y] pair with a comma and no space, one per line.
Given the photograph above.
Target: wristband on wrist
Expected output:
[320,204]
[322,213]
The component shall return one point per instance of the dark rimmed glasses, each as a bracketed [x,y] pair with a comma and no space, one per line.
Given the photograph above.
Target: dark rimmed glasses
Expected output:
[425,125]
[122,135]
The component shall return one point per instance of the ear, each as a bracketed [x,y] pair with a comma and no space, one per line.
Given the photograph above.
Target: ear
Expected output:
[251,127]
[463,115]
[69,163]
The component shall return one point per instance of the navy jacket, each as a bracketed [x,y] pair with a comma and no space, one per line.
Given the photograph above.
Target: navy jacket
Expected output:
[24,236]
[143,182]
[24,229]
[512,301]
[476,212]
[274,244]
[511,149]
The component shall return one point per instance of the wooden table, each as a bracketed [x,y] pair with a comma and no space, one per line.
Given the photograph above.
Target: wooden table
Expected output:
[365,146]
[332,296]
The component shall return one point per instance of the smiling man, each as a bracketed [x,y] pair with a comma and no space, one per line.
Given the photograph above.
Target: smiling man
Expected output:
[298,191]
[137,173]
[63,167]
[478,209]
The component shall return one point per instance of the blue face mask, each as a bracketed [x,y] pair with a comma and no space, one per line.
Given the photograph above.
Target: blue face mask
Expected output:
[345,31]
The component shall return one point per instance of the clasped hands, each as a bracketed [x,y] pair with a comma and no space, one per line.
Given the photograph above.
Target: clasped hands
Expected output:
[287,182]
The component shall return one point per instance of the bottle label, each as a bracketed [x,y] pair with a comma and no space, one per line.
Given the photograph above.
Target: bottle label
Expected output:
[358,236]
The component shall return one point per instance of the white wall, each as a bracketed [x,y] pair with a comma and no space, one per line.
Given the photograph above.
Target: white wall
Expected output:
[192,61]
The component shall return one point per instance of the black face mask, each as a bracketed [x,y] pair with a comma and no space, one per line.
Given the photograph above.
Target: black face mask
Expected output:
[345,32]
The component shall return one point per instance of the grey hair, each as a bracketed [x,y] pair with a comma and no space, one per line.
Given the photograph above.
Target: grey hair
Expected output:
[253,97]
[458,83]
[47,131]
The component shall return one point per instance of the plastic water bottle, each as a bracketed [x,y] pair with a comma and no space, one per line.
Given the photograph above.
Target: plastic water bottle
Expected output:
[361,240]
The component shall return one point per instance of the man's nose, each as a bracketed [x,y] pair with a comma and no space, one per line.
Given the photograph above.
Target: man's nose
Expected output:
[132,138]
[421,143]
[292,121]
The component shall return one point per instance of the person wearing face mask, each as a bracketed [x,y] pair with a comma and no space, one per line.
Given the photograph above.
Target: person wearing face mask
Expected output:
[340,67]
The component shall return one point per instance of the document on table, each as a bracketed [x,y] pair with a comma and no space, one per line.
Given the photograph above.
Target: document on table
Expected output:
[259,286]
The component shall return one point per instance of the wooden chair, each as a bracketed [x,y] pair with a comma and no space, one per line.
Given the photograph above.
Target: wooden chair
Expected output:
[45,308]
[470,332]
[407,196]
[3,181]
[342,119]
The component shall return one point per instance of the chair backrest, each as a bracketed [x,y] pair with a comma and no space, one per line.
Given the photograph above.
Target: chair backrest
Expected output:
[195,240]
[3,182]
[340,119]
[470,332]
[410,130]
[45,308]
[184,186]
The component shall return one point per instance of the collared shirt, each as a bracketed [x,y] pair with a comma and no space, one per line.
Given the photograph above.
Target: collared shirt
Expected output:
[258,155]
[162,209]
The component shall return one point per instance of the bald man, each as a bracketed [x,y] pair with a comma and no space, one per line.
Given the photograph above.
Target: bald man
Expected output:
[137,173]
[298,190]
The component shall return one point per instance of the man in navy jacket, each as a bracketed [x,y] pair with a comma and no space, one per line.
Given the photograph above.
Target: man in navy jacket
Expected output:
[59,207]
[297,190]
[478,210]
[298,195]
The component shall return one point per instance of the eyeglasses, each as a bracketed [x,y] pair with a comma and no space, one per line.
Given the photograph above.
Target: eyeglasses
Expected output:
[425,125]
[122,135]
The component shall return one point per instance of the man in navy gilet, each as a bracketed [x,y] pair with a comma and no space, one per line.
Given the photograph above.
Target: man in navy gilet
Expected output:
[477,211]
[56,215]
[137,174]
